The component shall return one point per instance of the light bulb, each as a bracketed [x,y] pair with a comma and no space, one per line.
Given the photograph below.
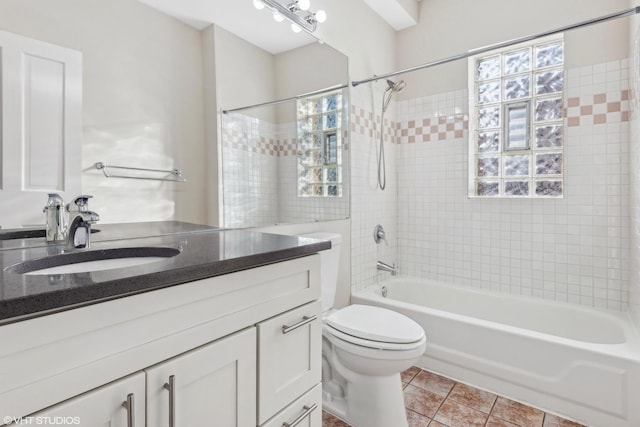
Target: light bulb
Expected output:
[277,17]
[304,4]
[321,16]
[295,28]
[258,4]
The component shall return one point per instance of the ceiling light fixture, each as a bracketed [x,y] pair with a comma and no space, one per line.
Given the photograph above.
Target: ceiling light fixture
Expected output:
[297,12]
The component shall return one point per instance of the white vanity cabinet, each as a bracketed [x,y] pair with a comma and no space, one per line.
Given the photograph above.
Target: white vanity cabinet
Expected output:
[208,352]
[118,404]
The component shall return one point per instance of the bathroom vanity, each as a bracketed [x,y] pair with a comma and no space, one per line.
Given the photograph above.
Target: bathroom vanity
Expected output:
[225,333]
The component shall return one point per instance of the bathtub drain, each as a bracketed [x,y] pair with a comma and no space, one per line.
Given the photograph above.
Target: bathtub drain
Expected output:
[384,291]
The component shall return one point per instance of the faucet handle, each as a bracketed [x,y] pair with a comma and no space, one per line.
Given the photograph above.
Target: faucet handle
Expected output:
[81,202]
[379,235]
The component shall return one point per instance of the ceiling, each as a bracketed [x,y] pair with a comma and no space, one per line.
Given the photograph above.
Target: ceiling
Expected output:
[259,28]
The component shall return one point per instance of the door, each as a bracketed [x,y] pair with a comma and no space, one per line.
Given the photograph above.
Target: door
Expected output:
[213,385]
[118,404]
[40,126]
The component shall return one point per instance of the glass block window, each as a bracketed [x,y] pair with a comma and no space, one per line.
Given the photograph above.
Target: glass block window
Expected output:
[516,121]
[320,145]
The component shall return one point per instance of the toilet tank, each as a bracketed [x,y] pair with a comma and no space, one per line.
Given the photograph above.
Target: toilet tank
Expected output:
[329,260]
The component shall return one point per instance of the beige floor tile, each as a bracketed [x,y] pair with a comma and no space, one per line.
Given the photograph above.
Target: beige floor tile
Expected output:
[407,376]
[454,414]
[555,421]
[497,422]
[517,413]
[433,382]
[417,420]
[473,397]
[329,420]
[465,406]
[422,401]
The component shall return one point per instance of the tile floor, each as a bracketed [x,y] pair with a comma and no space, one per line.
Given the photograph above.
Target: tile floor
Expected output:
[436,401]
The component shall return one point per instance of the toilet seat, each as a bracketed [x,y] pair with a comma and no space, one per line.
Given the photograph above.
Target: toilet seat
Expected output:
[376,345]
[374,327]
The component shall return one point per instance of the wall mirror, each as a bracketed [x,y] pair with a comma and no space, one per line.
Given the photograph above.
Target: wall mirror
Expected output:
[145,89]
[283,162]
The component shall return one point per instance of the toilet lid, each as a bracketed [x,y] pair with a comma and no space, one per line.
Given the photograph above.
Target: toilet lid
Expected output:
[375,324]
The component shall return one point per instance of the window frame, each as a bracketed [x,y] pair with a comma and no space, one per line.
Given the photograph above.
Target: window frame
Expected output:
[501,130]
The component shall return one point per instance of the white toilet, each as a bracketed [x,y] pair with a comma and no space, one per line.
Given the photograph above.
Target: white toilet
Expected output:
[364,350]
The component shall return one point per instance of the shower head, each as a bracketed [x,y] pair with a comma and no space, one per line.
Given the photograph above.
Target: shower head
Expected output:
[396,86]
[388,93]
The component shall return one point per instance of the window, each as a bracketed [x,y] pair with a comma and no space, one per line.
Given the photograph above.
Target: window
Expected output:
[516,121]
[320,146]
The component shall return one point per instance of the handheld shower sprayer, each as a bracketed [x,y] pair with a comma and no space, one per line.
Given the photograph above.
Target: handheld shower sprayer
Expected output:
[393,87]
[388,93]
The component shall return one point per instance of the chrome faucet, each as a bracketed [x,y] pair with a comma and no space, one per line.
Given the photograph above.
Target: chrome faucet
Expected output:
[77,230]
[80,220]
[386,267]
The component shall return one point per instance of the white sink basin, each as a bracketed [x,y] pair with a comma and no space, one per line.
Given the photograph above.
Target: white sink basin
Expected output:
[94,260]
[105,264]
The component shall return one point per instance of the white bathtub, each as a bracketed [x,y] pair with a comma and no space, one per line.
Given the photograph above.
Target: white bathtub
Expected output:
[574,361]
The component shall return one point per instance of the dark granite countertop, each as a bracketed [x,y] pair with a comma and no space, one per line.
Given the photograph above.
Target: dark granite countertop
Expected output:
[204,252]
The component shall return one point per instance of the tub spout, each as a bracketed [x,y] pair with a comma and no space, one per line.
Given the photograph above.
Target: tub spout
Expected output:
[386,267]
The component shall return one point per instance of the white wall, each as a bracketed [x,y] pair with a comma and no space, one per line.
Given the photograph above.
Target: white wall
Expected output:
[450,27]
[143,101]
[245,75]
[573,249]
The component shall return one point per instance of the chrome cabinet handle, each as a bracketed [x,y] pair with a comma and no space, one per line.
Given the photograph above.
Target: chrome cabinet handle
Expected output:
[305,319]
[171,386]
[129,405]
[307,411]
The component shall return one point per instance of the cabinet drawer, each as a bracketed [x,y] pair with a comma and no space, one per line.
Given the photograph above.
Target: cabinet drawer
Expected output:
[307,409]
[289,358]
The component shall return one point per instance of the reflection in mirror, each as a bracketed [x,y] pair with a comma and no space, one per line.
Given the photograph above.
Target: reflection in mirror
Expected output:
[141,105]
[283,162]
[150,93]
[266,166]
[320,145]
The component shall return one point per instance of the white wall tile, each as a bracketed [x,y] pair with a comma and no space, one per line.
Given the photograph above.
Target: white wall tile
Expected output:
[571,249]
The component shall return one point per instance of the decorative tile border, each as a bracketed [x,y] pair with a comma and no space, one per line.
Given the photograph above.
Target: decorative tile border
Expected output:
[278,147]
[596,109]
[439,128]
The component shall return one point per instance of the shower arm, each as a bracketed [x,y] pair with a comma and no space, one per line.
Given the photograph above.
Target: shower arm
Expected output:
[622,14]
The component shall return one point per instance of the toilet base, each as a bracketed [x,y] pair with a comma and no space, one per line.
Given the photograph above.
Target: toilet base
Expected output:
[370,402]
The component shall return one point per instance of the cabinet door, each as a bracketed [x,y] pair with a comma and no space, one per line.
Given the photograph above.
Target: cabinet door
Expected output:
[211,385]
[290,358]
[118,404]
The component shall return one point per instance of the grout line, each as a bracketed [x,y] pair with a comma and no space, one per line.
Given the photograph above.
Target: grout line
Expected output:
[491,410]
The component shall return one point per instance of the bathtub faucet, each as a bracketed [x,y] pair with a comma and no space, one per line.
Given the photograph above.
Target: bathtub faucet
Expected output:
[386,267]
